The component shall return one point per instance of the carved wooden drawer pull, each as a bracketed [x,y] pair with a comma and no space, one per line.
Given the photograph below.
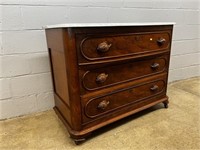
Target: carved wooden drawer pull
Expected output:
[161,41]
[155,65]
[101,78]
[102,105]
[154,88]
[103,47]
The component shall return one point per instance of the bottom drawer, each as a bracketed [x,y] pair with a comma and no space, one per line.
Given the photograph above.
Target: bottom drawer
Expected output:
[109,103]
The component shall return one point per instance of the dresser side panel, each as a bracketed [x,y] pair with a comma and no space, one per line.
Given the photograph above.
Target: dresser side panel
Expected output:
[58,69]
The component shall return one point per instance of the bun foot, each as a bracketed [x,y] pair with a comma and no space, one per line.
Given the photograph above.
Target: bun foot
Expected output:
[79,141]
[166,104]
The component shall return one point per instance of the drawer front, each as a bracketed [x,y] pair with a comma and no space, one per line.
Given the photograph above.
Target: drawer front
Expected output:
[111,75]
[105,104]
[112,46]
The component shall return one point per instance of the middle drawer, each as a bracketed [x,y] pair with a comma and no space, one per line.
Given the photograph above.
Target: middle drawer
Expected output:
[95,79]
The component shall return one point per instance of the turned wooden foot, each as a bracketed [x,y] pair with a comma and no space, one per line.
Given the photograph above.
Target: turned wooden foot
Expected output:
[79,139]
[166,104]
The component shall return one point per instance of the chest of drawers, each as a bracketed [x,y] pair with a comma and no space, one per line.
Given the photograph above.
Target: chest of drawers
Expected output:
[103,73]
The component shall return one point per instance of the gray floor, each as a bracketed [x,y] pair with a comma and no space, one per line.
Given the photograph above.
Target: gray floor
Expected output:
[177,127]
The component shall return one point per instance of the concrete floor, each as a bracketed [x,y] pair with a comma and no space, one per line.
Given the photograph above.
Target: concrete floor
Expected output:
[177,127]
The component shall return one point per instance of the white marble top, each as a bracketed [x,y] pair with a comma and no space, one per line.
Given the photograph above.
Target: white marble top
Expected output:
[106,24]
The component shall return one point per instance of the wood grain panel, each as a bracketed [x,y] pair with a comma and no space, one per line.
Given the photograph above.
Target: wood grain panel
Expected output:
[111,75]
[59,75]
[123,45]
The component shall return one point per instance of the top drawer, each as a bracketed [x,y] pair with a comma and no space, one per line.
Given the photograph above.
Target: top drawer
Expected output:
[101,47]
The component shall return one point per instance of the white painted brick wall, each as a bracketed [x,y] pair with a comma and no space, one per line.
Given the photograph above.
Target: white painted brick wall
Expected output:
[183,73]
[185,46]
[14,65]
[31,84]
[11,17]
[45,101]
[18,106]
[186,60]
[25,81]
[36,17]
[5,89]
[84,14]
[39,62]
[1,48]
[190,4]
[186,32]
[23,41]
[168,4]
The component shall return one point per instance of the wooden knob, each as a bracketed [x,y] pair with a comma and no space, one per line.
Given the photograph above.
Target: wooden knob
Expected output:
[102,105]
[161,41]
[155,65]
[101,78]
[154,88]
[103,47]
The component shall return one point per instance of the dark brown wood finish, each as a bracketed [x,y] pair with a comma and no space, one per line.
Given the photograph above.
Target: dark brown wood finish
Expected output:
[122,97]
[103,74]
[110,75]
[119,45]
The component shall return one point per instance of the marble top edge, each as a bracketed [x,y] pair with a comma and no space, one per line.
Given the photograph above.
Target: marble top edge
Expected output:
[67,25]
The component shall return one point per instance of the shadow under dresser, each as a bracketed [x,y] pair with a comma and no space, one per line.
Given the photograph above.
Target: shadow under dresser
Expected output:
[104,72]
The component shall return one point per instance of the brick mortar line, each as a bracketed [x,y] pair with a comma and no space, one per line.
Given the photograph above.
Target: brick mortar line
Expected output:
[96,6]
[12,77]
[185,39]
[185,53]
[198,52]
[185,67]
[36,94]
[14,54]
